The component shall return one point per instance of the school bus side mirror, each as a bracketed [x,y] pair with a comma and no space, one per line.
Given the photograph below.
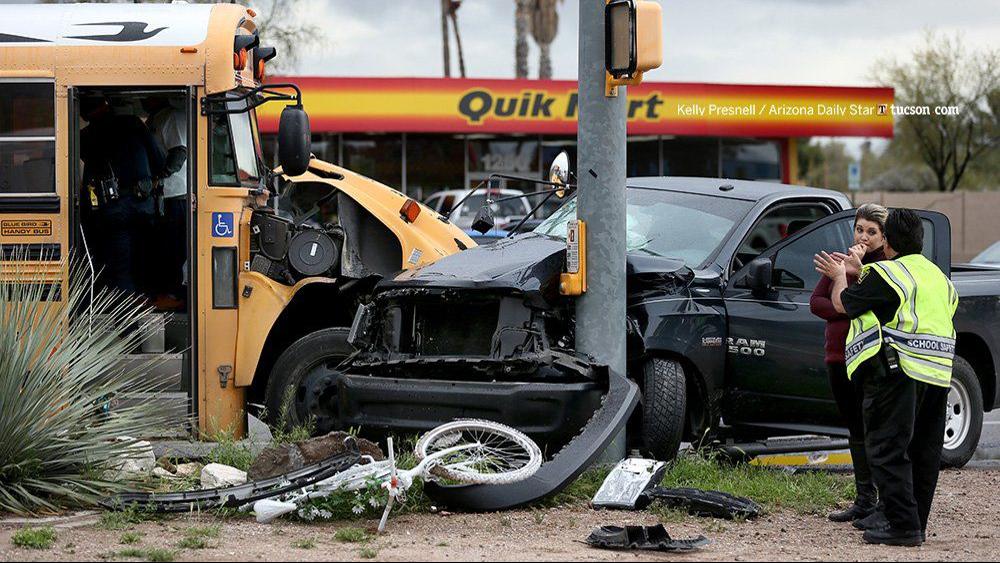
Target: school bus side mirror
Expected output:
[633,37]
[294,140]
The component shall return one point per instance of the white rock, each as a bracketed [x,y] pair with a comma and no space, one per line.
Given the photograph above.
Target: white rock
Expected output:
[188,469]
[218,476]
[138,462]
[163,473]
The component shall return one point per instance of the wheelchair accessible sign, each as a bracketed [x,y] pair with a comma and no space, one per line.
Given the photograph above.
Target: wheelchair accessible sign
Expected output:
[222,225]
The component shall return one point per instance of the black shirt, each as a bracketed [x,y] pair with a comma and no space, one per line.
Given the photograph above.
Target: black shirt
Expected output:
[125,144]
[871,293]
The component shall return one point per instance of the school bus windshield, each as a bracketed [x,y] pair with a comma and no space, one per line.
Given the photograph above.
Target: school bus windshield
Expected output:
[235,147]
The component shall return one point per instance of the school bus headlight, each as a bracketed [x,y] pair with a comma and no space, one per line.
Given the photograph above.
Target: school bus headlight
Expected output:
[633,39]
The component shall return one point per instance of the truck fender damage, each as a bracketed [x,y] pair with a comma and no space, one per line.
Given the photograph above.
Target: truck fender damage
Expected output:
[561,470]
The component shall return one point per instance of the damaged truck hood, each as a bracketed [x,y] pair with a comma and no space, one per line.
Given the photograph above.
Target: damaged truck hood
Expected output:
[529,262]
[532,262]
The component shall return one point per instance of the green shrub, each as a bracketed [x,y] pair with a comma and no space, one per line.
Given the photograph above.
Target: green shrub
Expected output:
[351,535]
[196,537]
[129,538]
[34,538]
[60,369]
[305,543]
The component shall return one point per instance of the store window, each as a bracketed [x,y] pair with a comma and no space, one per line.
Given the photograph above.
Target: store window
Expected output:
[326,147]
[691,156]
[27,137]
[379,157]
[642,157]
[749,159]
[507,155]
[434,163]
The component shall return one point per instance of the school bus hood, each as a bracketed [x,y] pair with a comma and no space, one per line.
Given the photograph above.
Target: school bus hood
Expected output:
[428,238]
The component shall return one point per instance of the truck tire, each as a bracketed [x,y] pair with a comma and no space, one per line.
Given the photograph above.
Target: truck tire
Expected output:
[301,366]
[964,423]
[664,399]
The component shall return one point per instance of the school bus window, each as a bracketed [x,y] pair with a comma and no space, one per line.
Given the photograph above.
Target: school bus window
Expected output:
[235,151]
[27,137]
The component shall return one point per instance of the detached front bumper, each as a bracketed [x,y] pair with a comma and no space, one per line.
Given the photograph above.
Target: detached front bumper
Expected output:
[551,413]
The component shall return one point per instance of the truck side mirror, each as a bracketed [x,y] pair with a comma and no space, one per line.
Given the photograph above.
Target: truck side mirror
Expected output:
[759,276]
[294,141]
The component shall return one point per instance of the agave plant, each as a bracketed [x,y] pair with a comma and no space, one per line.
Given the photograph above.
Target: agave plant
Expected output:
[62,348]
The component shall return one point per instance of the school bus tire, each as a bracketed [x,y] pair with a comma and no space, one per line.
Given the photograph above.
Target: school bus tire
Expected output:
[299,366]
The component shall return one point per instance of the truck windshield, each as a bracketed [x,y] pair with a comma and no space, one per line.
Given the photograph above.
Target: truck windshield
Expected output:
[679,225]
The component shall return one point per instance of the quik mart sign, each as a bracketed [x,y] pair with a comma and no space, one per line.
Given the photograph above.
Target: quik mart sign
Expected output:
[439,105]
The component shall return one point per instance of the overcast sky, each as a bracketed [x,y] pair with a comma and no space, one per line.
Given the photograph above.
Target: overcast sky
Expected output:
[824,42]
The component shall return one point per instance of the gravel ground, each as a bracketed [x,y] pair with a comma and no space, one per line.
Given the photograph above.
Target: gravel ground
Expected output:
[965,525]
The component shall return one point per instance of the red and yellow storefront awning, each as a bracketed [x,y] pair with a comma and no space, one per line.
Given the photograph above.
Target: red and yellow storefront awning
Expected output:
[441,105]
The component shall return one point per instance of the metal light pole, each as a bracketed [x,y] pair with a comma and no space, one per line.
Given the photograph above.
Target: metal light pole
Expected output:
[600,312]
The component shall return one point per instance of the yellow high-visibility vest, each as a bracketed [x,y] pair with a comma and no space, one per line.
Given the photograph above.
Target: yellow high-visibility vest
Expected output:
[922,331]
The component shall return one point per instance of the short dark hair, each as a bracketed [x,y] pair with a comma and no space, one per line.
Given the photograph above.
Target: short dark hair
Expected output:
[904,231]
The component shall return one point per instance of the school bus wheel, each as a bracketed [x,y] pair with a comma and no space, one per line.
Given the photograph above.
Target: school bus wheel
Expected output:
[303,380]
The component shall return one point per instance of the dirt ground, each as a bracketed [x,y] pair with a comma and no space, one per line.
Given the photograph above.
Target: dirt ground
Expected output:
[965,525]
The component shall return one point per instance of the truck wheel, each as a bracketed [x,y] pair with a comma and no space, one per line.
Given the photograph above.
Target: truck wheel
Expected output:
[964,423]
[308,368]
[664,398]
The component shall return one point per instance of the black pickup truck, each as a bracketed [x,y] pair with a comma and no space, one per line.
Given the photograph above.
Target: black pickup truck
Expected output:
[721,340]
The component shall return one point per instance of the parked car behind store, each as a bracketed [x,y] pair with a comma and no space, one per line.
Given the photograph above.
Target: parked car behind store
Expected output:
[504,212]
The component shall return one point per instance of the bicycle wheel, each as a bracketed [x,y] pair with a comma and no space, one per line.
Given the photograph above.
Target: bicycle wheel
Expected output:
[494,454]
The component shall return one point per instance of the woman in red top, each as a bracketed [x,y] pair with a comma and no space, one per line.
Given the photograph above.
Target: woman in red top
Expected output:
[869,223]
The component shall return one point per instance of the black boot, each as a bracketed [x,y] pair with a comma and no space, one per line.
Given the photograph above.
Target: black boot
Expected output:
[875,521]
[867,498]
[891,536]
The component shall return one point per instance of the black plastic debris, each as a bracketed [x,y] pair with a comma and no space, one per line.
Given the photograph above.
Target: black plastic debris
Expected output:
[702,503]
[240,495]
[649,538]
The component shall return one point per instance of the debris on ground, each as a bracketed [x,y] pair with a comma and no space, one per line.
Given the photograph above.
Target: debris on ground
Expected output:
[629,479]
[702,503]
[137,463]
[218,476]
[239,495]
[162,473]
[186,470]
[278,460]
[646,538]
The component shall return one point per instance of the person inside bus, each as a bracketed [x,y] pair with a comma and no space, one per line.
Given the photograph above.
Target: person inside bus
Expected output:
[121,159]
[169,127]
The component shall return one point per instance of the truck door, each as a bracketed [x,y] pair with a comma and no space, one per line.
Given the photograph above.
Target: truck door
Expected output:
[776,367]
[775,350]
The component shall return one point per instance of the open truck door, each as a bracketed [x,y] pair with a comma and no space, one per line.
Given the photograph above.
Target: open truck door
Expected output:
[775,346]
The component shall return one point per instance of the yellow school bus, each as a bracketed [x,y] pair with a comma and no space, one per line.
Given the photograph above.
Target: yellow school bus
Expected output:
[271,266]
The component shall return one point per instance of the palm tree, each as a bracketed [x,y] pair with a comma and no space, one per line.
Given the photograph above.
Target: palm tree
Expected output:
[522,23]
[445,5]
[453,13]
[544,27]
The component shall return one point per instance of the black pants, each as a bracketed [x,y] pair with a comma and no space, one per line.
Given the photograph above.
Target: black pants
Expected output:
[904,432]
[849,395]
[173,245]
